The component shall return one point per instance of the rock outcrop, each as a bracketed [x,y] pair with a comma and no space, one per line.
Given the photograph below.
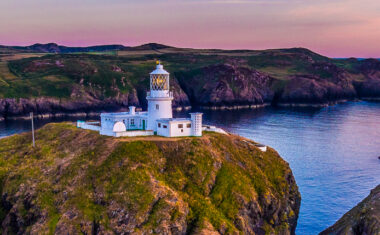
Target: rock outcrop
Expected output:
[76,181]
[363,219]
[369,87]
[83,102]
[226,85]
[333,86]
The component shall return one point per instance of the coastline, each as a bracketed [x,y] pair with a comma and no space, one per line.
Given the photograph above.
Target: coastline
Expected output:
[235,107]
[77,114]
[316,105]
[371,98]
[186,108]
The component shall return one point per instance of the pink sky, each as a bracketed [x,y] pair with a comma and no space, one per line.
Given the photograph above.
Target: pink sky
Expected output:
[336,28]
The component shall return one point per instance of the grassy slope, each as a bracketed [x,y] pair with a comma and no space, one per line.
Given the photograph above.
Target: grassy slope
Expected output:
[33,77]
[211,178]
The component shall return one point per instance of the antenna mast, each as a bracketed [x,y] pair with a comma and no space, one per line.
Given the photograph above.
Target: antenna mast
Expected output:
[31,118]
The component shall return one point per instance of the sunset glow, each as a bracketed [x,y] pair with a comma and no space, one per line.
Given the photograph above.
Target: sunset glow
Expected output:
[336,28]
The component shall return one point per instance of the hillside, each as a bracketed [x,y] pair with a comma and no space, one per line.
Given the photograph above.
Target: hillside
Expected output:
[55,48]
[78,181]
[113,80]
[362,219]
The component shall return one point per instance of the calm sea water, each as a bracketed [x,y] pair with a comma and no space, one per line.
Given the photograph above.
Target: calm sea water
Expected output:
[333,152]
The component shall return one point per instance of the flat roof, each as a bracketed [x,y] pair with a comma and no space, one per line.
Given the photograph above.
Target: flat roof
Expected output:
[168,120]
[125,114]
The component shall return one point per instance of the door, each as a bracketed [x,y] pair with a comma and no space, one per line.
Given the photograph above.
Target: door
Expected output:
[143,124]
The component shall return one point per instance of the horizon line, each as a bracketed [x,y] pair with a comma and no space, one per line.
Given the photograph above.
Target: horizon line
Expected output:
[180,47]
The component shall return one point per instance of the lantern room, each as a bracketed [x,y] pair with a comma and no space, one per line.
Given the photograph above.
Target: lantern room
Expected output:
[159,79]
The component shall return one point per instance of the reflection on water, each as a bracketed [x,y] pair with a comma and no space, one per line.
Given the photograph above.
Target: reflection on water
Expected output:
[332,152]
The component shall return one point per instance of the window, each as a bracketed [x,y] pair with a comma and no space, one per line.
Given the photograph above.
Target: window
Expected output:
[181,130]
[180,125]
[132,122]
[164,126]
[159,124]
[188,125]
[157,107]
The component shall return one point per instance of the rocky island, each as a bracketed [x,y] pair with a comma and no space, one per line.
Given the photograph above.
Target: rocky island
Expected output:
[53,80]
[362,219]
[77,181]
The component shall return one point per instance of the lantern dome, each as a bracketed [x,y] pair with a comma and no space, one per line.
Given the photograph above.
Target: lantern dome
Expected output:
[159,69]
[159,80]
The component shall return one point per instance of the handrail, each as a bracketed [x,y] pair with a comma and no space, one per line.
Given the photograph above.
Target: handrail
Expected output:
[160,95]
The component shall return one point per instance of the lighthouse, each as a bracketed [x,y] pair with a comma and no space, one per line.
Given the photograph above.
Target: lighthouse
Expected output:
[157,120]
[159,97]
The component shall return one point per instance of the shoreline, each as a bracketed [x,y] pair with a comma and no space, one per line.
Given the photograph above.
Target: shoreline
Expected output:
[235,107]
[316,105]
[371,98]
[76,114]
[186,108]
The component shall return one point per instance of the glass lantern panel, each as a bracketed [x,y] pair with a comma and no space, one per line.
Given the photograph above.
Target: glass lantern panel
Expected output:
[159,82]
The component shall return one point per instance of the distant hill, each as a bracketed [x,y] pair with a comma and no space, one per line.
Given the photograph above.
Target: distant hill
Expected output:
[149,46]
[55,48]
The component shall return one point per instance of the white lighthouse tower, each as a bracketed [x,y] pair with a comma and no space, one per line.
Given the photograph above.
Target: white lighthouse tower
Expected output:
[159,98]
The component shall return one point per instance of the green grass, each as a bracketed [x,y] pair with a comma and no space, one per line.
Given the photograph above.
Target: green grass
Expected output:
[46,200]
[198,180]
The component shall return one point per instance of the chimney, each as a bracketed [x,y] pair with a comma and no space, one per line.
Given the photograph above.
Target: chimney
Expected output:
[132,110]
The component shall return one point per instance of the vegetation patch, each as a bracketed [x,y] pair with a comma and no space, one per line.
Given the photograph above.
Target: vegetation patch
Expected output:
[108,184]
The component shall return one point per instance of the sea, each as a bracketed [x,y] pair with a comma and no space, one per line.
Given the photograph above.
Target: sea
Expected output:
[332,151]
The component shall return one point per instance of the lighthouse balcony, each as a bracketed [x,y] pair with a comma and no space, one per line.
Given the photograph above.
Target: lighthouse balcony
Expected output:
[159,94]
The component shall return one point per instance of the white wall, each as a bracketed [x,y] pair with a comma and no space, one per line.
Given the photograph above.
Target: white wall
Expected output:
[163,131]
[133,133]
[164,110]
[88,126]
[172,129]
[214,129]
[176,131]
[107,126]
[196,119]
[119,127]
[108,121]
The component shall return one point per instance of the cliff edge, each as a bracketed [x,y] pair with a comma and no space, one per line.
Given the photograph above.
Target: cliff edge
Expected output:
[76,181]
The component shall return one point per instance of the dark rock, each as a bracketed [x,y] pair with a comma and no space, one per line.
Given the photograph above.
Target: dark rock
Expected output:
[314,90]
[226,85]
[362,219]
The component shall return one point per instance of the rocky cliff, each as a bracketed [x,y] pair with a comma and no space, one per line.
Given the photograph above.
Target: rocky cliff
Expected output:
[76,181]
[226,85]
[71,83]
[363,219]
[83,102]
[331,85]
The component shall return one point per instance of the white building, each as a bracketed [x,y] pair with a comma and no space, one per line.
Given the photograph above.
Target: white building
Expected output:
[157,120]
